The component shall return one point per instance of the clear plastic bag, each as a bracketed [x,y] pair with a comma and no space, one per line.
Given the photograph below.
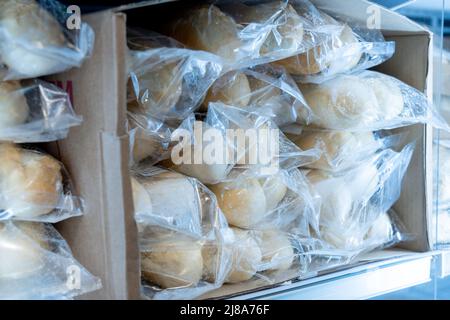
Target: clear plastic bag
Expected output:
[352,201]
[39,39]
[353,48]
[35,111]
[181,231]
[38,264]
[246,34]
[230,137]
[35,187]
[264,89]
[441,187]
[368,101]
[167,81]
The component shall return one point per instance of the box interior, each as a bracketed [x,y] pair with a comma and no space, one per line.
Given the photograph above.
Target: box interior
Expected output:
[96,153]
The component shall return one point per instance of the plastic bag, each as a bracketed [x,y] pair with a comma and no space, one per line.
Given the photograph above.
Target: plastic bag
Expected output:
[181,230]
[231,137]
[35,111]
[37,264]
[441,171]
[35,187]
[40,39]
[167,81]
[264,89]
[245,34]
[354,48]
[368,101]
[354,200]
[341,149]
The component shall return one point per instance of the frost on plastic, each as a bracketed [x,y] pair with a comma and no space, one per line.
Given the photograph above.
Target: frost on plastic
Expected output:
[35,111]
[35,187]
[37,264]
[181,231]
[35,40]
[368,100]
[167,81]
[264,89]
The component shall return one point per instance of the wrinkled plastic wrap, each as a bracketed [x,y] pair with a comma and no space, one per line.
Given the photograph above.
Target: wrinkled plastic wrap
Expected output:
[181,235]
[40,39]
[34,111]
[355,201]
[35,187]
[245,34]
[233,138]
[353,48]
[167,81]
[265,89]
[36,263]
[368,101]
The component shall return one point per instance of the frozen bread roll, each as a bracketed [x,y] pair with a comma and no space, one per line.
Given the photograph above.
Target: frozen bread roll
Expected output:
[380,231]
[168,199]
[13,104]
[243,202]
[338,147]
[26,31]
[277,251]
[172,264]
[207,28]
[274,189]
[288,33]
[232,89]
[246,257]
[388,94]
[30,182]
[22,249]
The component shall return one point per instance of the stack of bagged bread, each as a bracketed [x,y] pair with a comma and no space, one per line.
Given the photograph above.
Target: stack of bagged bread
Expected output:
[35,188]
[263,114]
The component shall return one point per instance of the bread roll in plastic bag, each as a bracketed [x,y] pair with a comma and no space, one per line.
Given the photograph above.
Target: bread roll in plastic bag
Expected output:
[368,101]
[352,200]
[264,89]
[230,137]
[353,48]
[41,38]
[35,187]
[281,200]
[167,81]
[34,111]
[246,34]
[180,228]
[37,264]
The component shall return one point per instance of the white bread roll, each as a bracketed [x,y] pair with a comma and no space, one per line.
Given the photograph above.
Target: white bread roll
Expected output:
[13,104]
[22,249]
[173,264]
[243,202]
[27,30]
[207,28]
[389,96]
[30,182]
[380,231]
[246,257]
[274,189]
[276,249]
[231,89]
[141,198]
[338,147]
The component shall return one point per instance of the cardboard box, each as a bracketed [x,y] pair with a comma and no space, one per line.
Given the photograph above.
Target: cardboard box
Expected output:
[96,153]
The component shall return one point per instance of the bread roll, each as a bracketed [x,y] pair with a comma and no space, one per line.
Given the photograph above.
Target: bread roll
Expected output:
[174,264]
[27,31]
[246,257]
[30,182]
[243,202]
[231,89]
[389,96]
[380,231]
[276,249]
[22,249]
[338,147]
[274,189]
[13,105]
[207,28]
[141,198]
